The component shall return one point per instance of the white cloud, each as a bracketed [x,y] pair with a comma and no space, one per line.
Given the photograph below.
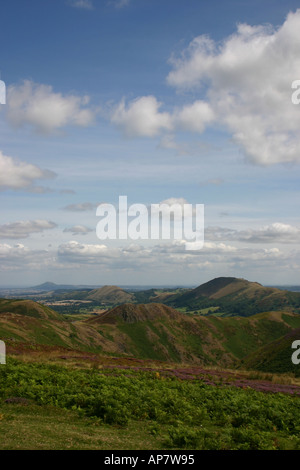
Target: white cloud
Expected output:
[274,233]
[195,117]
[39,106]
[74,252]
[141,117]
[248,81]
[20,258]
[216,258]
[24,228]
[16,174]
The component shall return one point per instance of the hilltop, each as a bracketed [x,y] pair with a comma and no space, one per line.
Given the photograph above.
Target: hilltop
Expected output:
[27,308]
[235,296]
[133,313]
[109,295]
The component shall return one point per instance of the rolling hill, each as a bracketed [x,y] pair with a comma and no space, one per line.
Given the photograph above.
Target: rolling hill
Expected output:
[159,332]
[110,295]
[25,324]
[155,331]
[27,308]
[236,296]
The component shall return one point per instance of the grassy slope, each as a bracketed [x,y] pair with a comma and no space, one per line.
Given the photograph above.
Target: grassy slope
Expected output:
[158,332]
[109,294]
[276,356]
[150,331]
[237,297]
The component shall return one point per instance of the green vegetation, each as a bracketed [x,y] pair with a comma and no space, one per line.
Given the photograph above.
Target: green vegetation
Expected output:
[236,297]
[275,357]
[34,427]
[134,396]
[175,414]
[153,331]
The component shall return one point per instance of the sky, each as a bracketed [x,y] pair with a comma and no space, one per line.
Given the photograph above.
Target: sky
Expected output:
[162,101]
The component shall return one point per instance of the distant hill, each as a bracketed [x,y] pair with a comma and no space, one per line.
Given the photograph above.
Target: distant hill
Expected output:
[110,295]
[51,286]
[236,296]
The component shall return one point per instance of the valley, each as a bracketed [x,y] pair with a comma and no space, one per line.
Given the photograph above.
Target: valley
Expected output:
[217,336]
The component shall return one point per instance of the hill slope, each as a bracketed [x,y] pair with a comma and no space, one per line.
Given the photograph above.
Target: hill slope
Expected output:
[151,331]
[133,313]
[28,324]
[110,295]
[236,296]
[276,356]
[160,332]
[27,308]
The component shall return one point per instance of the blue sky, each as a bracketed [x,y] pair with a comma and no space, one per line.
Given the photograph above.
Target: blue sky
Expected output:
[160,101]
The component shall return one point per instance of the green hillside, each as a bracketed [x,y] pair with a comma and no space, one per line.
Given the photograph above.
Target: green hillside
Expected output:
[27,308]
[160,332]
[109,295]
[147,331]
[235,296]
[276,357]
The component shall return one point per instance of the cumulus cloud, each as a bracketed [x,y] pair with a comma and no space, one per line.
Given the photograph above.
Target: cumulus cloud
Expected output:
[247,83]
[163,257]
[21,258]
[16,174]
[39,106]
[247,78]
[141,117]
[80,252]
[274,233]
[25,228]
[194,117]
[9,253]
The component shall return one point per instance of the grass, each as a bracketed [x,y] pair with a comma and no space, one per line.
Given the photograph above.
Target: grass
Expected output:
[33,427]
[137,332]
